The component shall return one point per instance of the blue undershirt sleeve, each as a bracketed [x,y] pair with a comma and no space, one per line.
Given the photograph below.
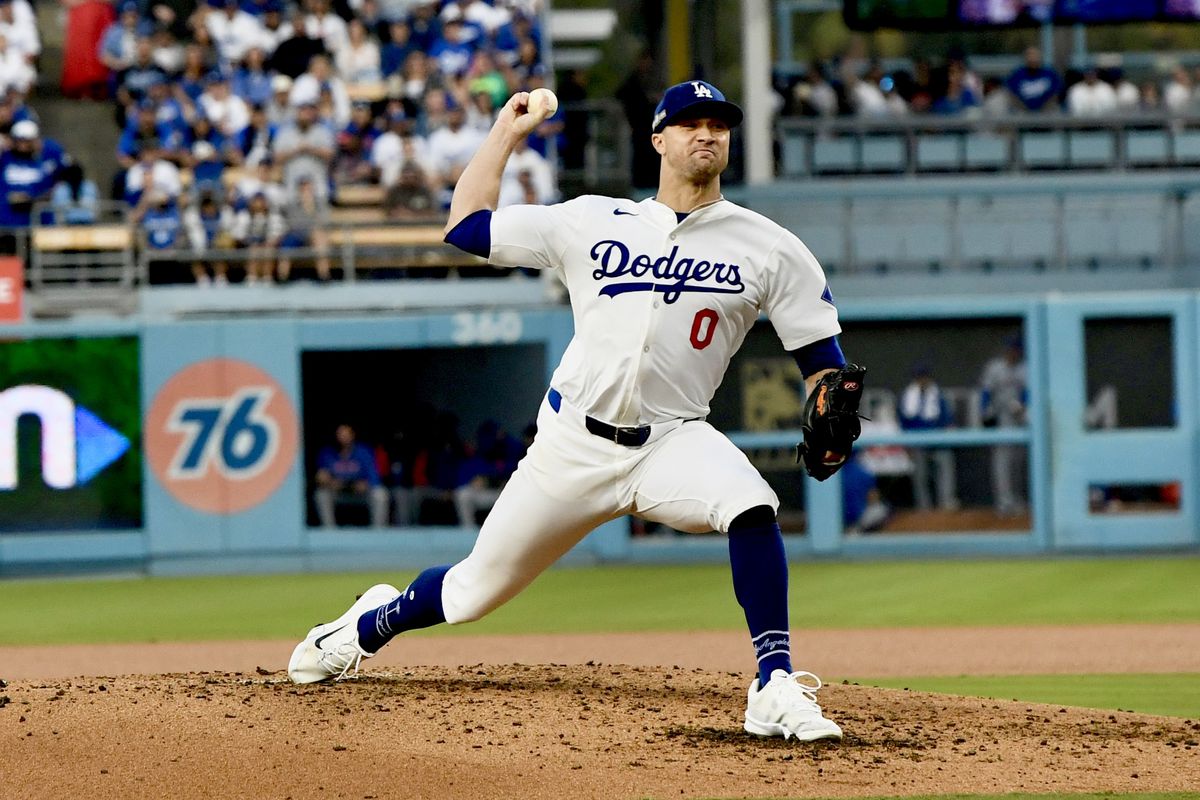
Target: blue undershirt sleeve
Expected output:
[473,234]
[823,354]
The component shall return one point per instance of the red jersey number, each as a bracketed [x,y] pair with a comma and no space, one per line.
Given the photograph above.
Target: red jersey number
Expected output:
[704,327]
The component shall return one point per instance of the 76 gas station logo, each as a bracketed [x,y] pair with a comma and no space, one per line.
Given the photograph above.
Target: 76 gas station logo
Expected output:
[232,435]
[221,435]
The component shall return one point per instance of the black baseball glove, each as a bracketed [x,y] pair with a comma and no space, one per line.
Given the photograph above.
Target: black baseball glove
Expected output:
[830,421]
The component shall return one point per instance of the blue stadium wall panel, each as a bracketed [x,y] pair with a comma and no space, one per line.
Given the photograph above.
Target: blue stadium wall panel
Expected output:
[227,468]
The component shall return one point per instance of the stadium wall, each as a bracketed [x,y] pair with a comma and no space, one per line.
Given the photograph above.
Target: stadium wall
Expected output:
[193,443]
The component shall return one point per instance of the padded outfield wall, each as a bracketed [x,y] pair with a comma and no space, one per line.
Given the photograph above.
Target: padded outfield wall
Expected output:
[190,447]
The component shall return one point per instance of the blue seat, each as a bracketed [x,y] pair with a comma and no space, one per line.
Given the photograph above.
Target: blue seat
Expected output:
[826,242]
[1191,230]
[795,153]
[1090,240]
[939,151]
[986,151]
[835,155]
[927,243]
[875,246]
[910,235]
[1014,231]
[1147,148]
[1187,147]
[1091,149]
[1140,226]
[1044,149]
[883,154]
[1141,241]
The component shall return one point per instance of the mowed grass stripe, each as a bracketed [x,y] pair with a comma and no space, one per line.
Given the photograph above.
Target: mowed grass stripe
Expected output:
[1176,695]
[1057,796]
[621,598]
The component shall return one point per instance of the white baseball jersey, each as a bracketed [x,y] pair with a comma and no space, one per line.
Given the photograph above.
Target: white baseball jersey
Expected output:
[660,306]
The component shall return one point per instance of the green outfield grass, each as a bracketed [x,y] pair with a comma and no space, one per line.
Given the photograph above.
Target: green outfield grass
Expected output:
[1025,796]
[1176,695]
[832,595]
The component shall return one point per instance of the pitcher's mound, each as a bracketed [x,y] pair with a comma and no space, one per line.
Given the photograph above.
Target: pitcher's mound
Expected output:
[590,731]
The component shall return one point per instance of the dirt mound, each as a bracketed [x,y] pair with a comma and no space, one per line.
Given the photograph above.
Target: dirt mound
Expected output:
[584,731]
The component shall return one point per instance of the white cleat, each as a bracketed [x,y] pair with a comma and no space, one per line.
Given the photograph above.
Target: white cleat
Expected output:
[332,650]
[787,707]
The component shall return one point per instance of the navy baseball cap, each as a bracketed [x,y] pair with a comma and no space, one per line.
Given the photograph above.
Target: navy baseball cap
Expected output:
[692,99]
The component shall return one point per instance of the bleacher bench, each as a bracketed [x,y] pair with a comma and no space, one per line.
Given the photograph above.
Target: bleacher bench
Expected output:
[359,195]
[377,246]
[61,238]
[357,215]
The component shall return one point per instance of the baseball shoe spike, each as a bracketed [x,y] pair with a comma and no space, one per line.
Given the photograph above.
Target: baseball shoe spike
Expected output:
[332,650]
[787,707]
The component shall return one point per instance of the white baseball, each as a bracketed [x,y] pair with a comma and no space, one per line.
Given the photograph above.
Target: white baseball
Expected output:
[542,102]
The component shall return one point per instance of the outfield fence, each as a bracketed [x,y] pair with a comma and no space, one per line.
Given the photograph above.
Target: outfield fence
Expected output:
[194,443]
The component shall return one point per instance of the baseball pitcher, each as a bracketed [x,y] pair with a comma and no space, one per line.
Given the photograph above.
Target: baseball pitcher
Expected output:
[663,292]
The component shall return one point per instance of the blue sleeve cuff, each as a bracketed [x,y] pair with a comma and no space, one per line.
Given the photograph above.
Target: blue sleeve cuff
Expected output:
[824,354]
[473,234]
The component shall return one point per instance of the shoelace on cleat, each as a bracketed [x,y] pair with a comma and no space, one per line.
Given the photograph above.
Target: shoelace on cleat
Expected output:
[345,658]
[802,693]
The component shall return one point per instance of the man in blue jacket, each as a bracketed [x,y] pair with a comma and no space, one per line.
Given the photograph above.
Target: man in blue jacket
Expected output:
[347,472]
[1034,85]
[28,172]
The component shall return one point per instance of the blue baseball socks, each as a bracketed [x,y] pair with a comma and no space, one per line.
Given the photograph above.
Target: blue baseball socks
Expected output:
[760,579]
[418,606]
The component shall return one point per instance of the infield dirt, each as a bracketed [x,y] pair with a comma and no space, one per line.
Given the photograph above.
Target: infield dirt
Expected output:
[433,728]
[582,731]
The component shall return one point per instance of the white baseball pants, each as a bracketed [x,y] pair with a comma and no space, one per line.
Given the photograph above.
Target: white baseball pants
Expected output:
[687,475]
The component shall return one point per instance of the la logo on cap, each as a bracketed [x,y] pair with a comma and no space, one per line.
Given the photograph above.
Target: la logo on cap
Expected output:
[701,90]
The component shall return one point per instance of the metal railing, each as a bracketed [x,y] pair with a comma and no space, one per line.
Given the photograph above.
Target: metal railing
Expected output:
[88,255]
[1027,224]
[929,144]
[353,249]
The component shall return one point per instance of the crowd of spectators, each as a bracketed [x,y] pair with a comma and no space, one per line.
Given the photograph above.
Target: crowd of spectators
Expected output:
[423,474]
[33,167]
[857,87]
[243,120]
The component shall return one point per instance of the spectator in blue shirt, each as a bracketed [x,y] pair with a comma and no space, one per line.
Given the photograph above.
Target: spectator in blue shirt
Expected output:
[424,26]
[393,54]
[251,81]
[485,471]
[169,111]
[259,8]
[1035,86]
[158,217]
[453,50]
[28,171]
[207,168]
[203,130]
[192,81]
[959,97]
[143,131]
[257,140]
[133,85]
[118,42]
[347,473]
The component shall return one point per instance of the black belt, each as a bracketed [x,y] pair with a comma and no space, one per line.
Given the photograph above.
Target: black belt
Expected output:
[626,437]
